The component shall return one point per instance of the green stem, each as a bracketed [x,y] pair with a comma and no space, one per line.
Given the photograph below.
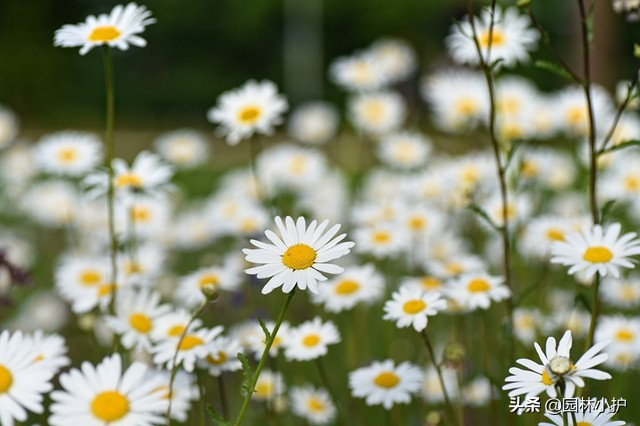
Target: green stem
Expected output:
[223,397]
[432,355]
[201,389]
[174,364]
[263,359]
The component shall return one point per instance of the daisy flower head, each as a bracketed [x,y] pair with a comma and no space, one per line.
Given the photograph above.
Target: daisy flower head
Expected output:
[378,112]
[195,345]
[312,404]
[120,28]
[597,250]
[404,150]
[359,72]
[508,39]
[105,395]
[68,153]
[183,393]
[395,58]
[557,366]
[623,333]
[411,307]
[310,339]
[623,293]
[357,284]
[478,290]
[313,123]
[253,108]
[270,385]
[222,356]
[299,256]
[184,148]
[22,381]
[584,418]
[50,350]
[384,383]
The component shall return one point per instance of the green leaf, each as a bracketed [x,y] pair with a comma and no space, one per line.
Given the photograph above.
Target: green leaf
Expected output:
[247,375]
[265,330]
[483,214]
[606,209]
[554,68]
[623,145]
[218,420]
[514,147]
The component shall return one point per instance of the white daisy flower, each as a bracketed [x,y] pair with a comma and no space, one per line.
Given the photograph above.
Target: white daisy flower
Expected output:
[313,405]
[424,283]
[253,108]
[52,203]
[357,284]
[194,346]
[541,232]
[395,58]
[68,153]
[404,150]
[623,293]
[189,289]
[411,307]
[598,249]
[83,281]
[142,215]
[299,256]
[556,366]
[120,28]
[431,387]
[22,381]
[172,325]
[358,72]
[584,418]
[384,239]
[622,332]
[136,312]
[50,350]
[183,393]
[184,148]
[270,385]
[313,123]
[510,41]
[384,383]
[8,126]
[473,291]
[310,339]
[41,311]
[105,395]
[478,392]
[377,113]
[223,356]
[526,323]
[254,339]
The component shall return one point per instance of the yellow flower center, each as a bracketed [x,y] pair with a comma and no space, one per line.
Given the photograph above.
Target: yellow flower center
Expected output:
[67,155]
[311,340]
[632,183]
[430,283]
[110,406]
[529,169]
[208,279]
[466,106]
[218,359]
[625,335]
[628,293]
[128,179]
[6,379]
[373,111]
[386,379]
[555,234]
[175,331]
[105,33]
[478,285]
[381,237]
[597,254]
[576,115]
[454,268]
[90,278]
[190,342]
[413,306]
[315,404]
[584,424]
[298,164]
[131,268]
[264,389]
[299,256]
[106,289]
[417,223]
[249,114]
[140,322]
[140,214]
[495,39]
[509,105]
[546,379]
[512,130]
[347,287]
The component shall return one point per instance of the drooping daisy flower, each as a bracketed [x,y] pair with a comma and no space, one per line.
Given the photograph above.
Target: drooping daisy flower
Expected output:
[22,381]
[68,153]
[310,339]
[253,108]
[313,123]
[183,148]
[510,41]
[298,256]
[556,366]
[314,405]
[384,383]
[105,395]
[584,418]
[411,307]
[598,249]
[120,28]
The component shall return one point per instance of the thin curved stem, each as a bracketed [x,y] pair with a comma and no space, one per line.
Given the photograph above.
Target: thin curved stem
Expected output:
[621,109]
[447,402]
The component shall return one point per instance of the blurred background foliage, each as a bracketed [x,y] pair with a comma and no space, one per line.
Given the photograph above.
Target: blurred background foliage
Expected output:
[200,48]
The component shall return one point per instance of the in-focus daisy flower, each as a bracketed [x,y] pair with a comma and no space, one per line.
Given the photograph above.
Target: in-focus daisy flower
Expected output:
[22,381]
[223,356]
[473,291]
[310,339]
[120,28]
[411,307]
[270,385]
[313,123]
[105,395]
[194,346]
[404,150]
[510,41]
[298,256]
[384,383]
[253,108]
[8,126]
[314,405]
[136,312]
[584,418]
[377,113]
[357,284]
[598,249]
[183,148]
[68,153]
[556,366]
